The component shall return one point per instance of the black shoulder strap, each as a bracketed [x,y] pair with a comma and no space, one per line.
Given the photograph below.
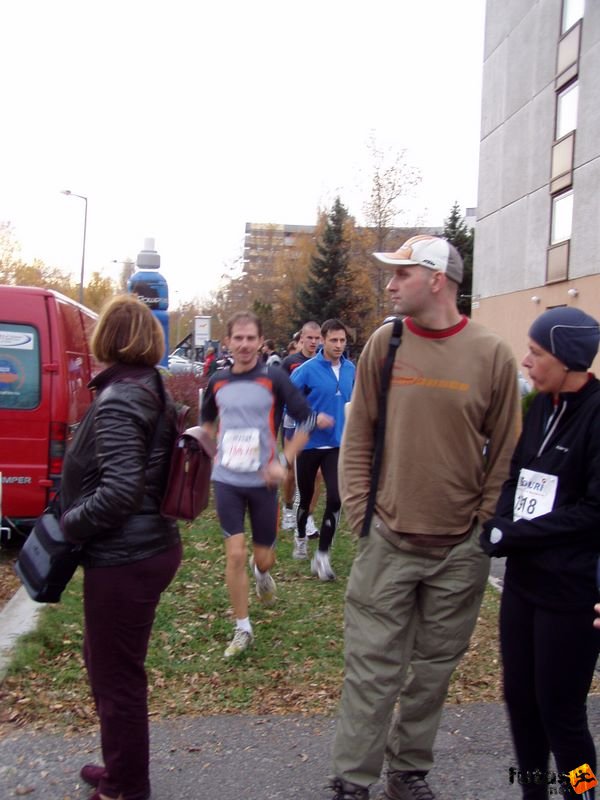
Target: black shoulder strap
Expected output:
[381,420]
[161,400]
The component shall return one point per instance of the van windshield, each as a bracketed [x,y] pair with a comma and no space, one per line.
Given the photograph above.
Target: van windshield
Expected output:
[19,366]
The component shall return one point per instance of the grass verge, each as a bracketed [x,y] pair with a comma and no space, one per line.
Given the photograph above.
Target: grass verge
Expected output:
[295,665]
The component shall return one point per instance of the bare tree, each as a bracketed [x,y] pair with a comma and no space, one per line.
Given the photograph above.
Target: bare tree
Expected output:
[392,179]
[127,270]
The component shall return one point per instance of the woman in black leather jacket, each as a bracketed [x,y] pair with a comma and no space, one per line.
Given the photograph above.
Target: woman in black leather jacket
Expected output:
[113,479]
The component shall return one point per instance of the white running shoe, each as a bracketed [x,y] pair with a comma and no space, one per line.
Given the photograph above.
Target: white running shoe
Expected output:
[288,519]
[311,529]
[266,590]
[321,566]
[241,641]
[300,549]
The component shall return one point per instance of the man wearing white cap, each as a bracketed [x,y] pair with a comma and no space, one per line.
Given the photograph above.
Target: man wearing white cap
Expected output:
[417,581]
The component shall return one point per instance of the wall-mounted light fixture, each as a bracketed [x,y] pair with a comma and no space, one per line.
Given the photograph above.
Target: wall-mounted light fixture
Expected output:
[535,299]
[573,292]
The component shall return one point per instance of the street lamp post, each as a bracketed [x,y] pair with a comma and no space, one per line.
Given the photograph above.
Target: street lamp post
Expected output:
[85,200]
[178,314]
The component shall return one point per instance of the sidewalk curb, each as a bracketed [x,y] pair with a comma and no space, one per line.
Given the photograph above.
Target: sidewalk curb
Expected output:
[19,616]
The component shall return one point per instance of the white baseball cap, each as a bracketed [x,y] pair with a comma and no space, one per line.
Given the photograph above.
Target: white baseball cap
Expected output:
[431,252]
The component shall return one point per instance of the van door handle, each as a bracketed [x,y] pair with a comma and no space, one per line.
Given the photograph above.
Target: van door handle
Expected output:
[52,367]
[45,482]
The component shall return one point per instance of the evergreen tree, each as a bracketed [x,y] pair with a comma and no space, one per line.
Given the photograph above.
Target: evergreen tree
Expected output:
[462,237]
[327,292]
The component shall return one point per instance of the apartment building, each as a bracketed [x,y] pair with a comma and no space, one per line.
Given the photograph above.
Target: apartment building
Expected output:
[537,241]
[263,242]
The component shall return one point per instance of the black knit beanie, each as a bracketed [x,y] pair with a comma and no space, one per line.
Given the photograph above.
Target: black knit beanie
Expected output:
[569,334]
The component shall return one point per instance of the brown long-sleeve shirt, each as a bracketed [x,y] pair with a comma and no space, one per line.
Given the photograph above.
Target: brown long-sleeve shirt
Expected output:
[452,424]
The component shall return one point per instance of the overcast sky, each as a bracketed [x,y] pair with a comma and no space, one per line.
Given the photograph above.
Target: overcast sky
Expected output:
[181,120]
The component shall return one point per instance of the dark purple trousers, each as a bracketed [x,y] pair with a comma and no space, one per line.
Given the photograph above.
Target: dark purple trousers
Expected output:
[119,607]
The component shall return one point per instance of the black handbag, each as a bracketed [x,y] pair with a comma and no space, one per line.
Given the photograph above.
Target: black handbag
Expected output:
[47,561]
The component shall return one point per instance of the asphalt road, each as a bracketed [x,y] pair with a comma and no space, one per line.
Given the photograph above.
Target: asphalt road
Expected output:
[255,758]
[264,758]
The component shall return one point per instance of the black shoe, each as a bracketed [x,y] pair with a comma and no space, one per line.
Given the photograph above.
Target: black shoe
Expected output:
[407,786]
[344,790]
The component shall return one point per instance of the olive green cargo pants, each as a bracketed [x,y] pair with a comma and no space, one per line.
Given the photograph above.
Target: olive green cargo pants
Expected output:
[408,621]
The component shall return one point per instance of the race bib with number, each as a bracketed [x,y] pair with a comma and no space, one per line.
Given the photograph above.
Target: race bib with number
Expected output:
[241,450]
[535,494]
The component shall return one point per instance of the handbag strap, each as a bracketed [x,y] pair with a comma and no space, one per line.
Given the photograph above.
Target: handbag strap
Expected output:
[161,399]
[381,420]
[54,506]
[180,421]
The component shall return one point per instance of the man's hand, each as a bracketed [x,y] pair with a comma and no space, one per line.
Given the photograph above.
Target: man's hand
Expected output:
[324,421]
[274,473]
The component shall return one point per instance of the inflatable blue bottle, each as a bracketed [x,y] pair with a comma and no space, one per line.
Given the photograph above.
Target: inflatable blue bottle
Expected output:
[151,287]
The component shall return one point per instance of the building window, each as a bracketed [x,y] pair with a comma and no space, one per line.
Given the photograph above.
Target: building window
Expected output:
[566,110]
[562,217]
[567,61]
[561,171]
[572,11]
[557,262]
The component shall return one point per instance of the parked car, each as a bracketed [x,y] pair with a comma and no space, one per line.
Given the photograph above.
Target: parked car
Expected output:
[45,367]
[180,364]
[524,385]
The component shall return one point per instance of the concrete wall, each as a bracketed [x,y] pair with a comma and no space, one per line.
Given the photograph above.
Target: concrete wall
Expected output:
[511,315]
[585,243]
[517,129]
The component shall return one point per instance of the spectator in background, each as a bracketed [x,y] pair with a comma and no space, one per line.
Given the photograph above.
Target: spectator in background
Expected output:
[326,381]
[272,357]
[210,362]
[309,339]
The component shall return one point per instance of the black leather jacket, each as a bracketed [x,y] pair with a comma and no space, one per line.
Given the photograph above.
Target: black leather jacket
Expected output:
[112,485]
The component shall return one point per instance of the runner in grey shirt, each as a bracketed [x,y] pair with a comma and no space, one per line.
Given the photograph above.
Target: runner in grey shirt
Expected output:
[242,408]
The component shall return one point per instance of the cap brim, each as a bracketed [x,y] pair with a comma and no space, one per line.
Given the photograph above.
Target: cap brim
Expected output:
[388,258]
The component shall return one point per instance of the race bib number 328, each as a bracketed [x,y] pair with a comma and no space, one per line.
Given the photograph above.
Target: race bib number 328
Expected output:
[535,494]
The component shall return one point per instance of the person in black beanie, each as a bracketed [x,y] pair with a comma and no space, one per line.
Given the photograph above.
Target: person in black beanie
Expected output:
[547,524]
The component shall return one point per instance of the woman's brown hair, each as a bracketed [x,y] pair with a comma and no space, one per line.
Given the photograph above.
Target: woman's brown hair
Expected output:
[128,332]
